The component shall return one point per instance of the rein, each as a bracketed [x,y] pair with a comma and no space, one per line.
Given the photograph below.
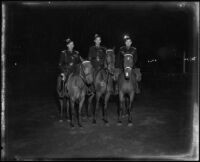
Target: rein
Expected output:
[85,75]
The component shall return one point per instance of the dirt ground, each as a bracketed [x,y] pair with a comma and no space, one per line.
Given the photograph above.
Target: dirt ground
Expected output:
[161,125]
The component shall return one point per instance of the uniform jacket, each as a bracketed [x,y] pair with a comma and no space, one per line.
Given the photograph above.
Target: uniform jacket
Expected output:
[124,50]
[68,60]
[97,55]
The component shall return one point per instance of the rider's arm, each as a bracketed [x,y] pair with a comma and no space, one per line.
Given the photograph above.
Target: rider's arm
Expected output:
[79,58]
[61,61]
[120,59]
[90,54]
[135,56]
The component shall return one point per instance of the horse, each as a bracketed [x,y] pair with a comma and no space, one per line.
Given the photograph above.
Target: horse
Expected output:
[62,95]
[77,87]
[127,88]
[103,83]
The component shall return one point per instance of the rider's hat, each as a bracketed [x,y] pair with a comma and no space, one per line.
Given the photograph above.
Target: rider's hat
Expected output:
[68,40]
[126,37]
[97,36]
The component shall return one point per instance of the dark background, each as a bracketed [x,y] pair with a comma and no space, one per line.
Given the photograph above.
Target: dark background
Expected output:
[36,33]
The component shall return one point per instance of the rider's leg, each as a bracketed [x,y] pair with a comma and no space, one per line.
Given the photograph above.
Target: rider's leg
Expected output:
[137,88]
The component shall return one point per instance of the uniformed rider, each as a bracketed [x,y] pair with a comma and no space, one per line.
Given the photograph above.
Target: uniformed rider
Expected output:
[97,53]
[69,58]
[130,50]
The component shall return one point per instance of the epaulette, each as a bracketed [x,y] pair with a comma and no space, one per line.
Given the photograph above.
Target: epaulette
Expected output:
[76,52]
[134,48]
[64,51]
[121,48]
[103,47]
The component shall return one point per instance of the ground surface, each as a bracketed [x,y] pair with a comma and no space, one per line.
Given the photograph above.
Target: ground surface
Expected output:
[161,124]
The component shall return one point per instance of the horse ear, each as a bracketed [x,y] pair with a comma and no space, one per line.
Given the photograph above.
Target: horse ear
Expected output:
[82,59]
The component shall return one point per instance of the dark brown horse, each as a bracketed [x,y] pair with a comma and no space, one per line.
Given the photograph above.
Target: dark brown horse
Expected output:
[77,88]
[127,87]
[103,82]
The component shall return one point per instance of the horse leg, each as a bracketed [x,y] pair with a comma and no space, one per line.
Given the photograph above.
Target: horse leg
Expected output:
[71,112]
[129,108]
[80,108]
[98,95]
[121,99]
[68,107]
[61,109]
[125,111]
[107,96]
[89,104]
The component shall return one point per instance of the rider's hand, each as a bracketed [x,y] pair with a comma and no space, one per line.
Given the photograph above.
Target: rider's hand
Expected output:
[63,76]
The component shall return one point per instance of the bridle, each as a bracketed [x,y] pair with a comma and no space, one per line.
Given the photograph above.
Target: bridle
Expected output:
[83,77]
[106,68]
[107,64]
[128,67]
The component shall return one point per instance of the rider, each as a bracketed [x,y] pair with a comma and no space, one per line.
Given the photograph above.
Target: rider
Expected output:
[69,58]
[97,55]
[130,50]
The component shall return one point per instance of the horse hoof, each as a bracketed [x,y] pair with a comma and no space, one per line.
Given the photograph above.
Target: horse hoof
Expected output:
[68,120]
[60,120]
[105,121]
[130,124]
[107,124]
[119,123]
[89,118]
[72,126]
[94,122]
[80,126]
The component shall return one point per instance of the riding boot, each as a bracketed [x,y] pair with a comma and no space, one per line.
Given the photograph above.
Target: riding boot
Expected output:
[65,82]
[137,88]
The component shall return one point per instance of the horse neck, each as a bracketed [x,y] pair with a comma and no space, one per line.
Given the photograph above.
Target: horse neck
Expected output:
[132,77]
[81,72]
[102,73]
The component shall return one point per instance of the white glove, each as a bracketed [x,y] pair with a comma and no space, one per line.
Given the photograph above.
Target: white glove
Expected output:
[63,76]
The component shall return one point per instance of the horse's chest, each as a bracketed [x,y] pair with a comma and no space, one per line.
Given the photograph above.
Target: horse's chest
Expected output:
[127,86]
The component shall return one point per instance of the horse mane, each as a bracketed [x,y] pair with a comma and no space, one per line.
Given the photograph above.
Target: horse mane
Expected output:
[76,69]
[112,54]
[102,73]
[109,54]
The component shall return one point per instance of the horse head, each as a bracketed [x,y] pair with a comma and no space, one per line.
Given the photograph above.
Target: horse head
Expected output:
[86,71]
[128,65]
[109,63]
